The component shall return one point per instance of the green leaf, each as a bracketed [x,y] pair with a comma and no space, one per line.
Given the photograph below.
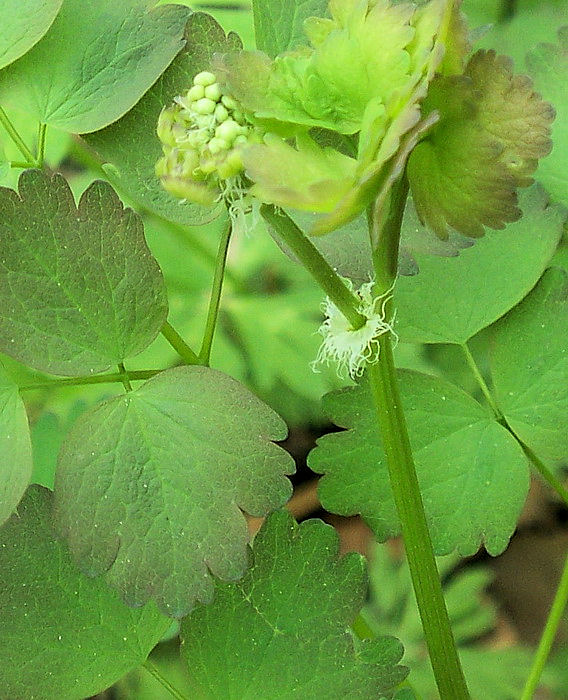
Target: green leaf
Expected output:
[530,367]
[473,474]
[95,62]
[132,146]
[15,447]
[454,298]
[283,631]
[63,634]
[79,290]
[24,22]
[493,128]
[548,65]
[279,26]
[149,485]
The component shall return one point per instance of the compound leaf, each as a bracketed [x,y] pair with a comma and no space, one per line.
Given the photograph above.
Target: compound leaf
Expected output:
[63,635]
[132,146]
[454,298]
[279,26]
[24,22]
[530,367]
[95,62]
[282,632]
[473,475]
[149,485]
[16,461]
[548,65]
[79,289]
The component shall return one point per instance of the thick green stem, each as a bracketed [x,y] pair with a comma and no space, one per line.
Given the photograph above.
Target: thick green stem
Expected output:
[215,300]
[546,641]
[179,344]
[137,375]
[385,231]
[155,671]
[310,257]
[16,138]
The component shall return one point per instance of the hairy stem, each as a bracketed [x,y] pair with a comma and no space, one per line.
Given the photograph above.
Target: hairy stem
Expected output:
[137,375]
[179,344]
[402,472]
[215,300]
[310,257]
[155,671]
[16,138]
[549,633]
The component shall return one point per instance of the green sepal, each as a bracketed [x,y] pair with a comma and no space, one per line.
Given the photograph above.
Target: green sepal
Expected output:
[493,128]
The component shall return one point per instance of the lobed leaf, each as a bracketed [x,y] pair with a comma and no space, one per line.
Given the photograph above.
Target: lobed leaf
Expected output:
[473,474]
[493,128]
[131,144]
[79,289]
[279,26]
[15,447]
[282,632]
[454,298]
[63,635]
[24,22]
[150,485]
[95,62]
[530,367]
[548,66]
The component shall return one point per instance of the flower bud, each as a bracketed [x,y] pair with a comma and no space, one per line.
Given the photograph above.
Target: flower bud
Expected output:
[204,78]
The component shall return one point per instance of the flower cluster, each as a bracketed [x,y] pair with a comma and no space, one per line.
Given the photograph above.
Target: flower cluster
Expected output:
[202,136]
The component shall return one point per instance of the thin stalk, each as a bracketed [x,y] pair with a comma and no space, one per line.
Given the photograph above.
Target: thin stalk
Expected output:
[137,375]
[538,464]
[155,671]
[21,164]
[215,299]
[310,257]
[481,382]
[41,144]
[16,138]
[179,344]
[125,378]
[549,633]
[402,472]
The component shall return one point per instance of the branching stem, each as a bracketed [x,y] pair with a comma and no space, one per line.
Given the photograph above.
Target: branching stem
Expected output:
[137,375]
[179,344]
[402,472]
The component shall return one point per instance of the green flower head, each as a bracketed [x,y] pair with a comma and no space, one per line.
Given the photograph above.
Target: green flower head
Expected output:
[203,134]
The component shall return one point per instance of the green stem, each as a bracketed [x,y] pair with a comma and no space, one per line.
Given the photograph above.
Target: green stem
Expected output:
[402,472]
[16,138]
[155,671]
[125,377]
[21,164]
[552,623]
[481,382]
[538,464]
[41,145]
[215,300]
[137,375]
[179,344]
[310,257]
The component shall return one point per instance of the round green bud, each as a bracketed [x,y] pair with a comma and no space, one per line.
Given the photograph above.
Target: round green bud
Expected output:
[213,92]
[204,106]
[216,145]
[228,130]
[228,102]
[204,78]
[165,128]
[240,140]
[238,116]
[221,113]
[195,93]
